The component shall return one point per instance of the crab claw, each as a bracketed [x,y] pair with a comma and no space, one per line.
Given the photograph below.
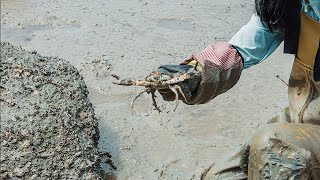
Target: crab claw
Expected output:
[121,81]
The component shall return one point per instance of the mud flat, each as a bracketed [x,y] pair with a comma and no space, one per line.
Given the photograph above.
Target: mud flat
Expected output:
[130,39]
[48,127]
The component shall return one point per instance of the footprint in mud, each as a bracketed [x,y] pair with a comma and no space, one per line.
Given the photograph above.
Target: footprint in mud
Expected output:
[21,35]
[25,35]
[176,24]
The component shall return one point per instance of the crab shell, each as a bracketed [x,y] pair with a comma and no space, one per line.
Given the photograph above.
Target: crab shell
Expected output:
[158,78]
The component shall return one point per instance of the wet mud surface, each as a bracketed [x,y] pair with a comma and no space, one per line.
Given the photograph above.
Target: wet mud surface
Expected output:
[131,38]
[48,127]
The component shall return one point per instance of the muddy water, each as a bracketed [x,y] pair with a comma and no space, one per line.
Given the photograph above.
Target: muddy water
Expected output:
[130,38]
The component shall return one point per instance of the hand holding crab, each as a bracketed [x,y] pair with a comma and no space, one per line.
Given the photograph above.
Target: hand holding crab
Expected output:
[174,82]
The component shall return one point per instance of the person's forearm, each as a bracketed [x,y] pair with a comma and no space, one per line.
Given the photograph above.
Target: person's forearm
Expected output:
[255,42]
[222,63]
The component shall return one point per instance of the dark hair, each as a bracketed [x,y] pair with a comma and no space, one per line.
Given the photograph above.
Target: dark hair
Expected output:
[271,13]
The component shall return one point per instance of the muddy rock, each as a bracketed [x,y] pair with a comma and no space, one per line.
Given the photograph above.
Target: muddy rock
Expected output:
[48,126]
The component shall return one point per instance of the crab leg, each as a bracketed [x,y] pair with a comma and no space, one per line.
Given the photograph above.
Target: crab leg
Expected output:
[133,82]
[177,87]
[124,82]
[174,90]
[154,102]
[137,96]
[176,80]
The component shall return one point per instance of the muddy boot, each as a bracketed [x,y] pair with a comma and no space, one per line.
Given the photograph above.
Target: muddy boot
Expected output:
[304,91]
[228,167]
[282,117]
[230,174]
[284,151]
[227,174]
[278,151]
[304,95]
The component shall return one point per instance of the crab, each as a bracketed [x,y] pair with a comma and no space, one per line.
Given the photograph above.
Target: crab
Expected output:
[158,81]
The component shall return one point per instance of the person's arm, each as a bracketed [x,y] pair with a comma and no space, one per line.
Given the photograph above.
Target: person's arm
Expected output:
[221,63]
[255,42]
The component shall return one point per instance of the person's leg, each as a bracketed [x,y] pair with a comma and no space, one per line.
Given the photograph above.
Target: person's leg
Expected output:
[278,151]
[282,117]
[284,151]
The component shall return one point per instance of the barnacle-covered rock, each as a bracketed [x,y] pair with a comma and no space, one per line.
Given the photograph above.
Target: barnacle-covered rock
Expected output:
[48,127]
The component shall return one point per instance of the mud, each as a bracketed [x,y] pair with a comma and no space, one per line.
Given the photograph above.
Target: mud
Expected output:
[132,37]
[48,126]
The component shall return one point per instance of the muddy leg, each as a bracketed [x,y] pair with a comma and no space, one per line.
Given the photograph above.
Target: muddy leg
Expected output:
[281,117]
[285,151]
[278,151]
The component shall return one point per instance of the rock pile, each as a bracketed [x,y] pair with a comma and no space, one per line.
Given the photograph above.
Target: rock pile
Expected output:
[48,127]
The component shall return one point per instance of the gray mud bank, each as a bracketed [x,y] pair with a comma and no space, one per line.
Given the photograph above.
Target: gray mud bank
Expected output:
[48,126]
